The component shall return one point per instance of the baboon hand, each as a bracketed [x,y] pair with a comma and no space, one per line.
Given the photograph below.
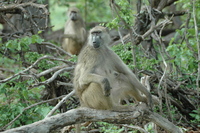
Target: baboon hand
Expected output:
[106,87]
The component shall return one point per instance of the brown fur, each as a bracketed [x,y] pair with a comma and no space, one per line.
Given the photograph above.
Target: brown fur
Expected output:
[74,33]
[101,79]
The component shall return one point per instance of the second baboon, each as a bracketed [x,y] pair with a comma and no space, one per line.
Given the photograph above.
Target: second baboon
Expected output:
[101,79]
[74,32]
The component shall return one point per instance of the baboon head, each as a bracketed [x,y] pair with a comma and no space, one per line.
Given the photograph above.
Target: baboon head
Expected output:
[74,13]
[98,37]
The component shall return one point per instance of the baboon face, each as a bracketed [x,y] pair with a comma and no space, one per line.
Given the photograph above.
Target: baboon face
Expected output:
[74,14]
[98,36]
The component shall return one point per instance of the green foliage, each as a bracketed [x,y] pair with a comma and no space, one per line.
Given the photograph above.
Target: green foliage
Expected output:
[74,58]
[97,10]
[15,94]
[150,128]
[188,5]
[125,14]
[41,1]
[58,14]
[125,53]
[110,128]
[183,57]
[21,44]
[196,116]
[91,11]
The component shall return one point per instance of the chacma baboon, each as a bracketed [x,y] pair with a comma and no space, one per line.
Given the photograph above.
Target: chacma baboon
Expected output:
[101,79]
[74,33]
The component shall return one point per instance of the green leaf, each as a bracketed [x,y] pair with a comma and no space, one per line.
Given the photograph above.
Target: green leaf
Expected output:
[19,46]
[37,39]
[191,31]
[39,32]
[45,111]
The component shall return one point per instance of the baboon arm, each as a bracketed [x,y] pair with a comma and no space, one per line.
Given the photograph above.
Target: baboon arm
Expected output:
[93,78]
[119,65]
[122,68]
[80,39]
[102,81]
[83,36]
[71,36]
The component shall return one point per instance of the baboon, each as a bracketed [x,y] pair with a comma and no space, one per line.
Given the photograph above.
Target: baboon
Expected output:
[101,79]
[74,33]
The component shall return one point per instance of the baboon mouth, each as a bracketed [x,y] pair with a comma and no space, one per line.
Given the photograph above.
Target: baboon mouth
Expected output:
[96,45]
[73,19]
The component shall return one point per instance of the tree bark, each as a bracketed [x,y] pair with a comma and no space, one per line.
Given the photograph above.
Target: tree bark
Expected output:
[81,115]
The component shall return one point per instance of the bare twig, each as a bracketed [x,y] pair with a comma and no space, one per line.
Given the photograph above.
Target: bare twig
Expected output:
[65,84]
[60,103]
[9,23]
[60,49]
[53,69]
[33,65]
[53,77]
[27,69]
[135,127]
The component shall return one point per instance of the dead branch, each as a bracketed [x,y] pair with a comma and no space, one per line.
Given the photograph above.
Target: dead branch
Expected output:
[53,69]
[81,115]
[60,49]
[33,65]
[27,69]
[18,8]
[135,127]
[53,77]
[60,103]
[137,39]
[65,84]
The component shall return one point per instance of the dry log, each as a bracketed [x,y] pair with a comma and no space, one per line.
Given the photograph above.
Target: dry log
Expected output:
[81,115]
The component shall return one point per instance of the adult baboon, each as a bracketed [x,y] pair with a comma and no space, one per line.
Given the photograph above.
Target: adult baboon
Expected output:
[101,79]
[74,33]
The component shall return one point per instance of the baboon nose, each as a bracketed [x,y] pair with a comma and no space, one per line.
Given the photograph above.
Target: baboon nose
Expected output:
[96,44]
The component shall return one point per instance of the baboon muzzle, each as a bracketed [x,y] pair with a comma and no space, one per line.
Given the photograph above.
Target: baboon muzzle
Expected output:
[96,41]
[74,17]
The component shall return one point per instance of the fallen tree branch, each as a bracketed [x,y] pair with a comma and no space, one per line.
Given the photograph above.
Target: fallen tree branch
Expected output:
[81,115]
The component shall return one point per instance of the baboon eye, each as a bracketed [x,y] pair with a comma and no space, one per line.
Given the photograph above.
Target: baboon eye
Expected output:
[96,32]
